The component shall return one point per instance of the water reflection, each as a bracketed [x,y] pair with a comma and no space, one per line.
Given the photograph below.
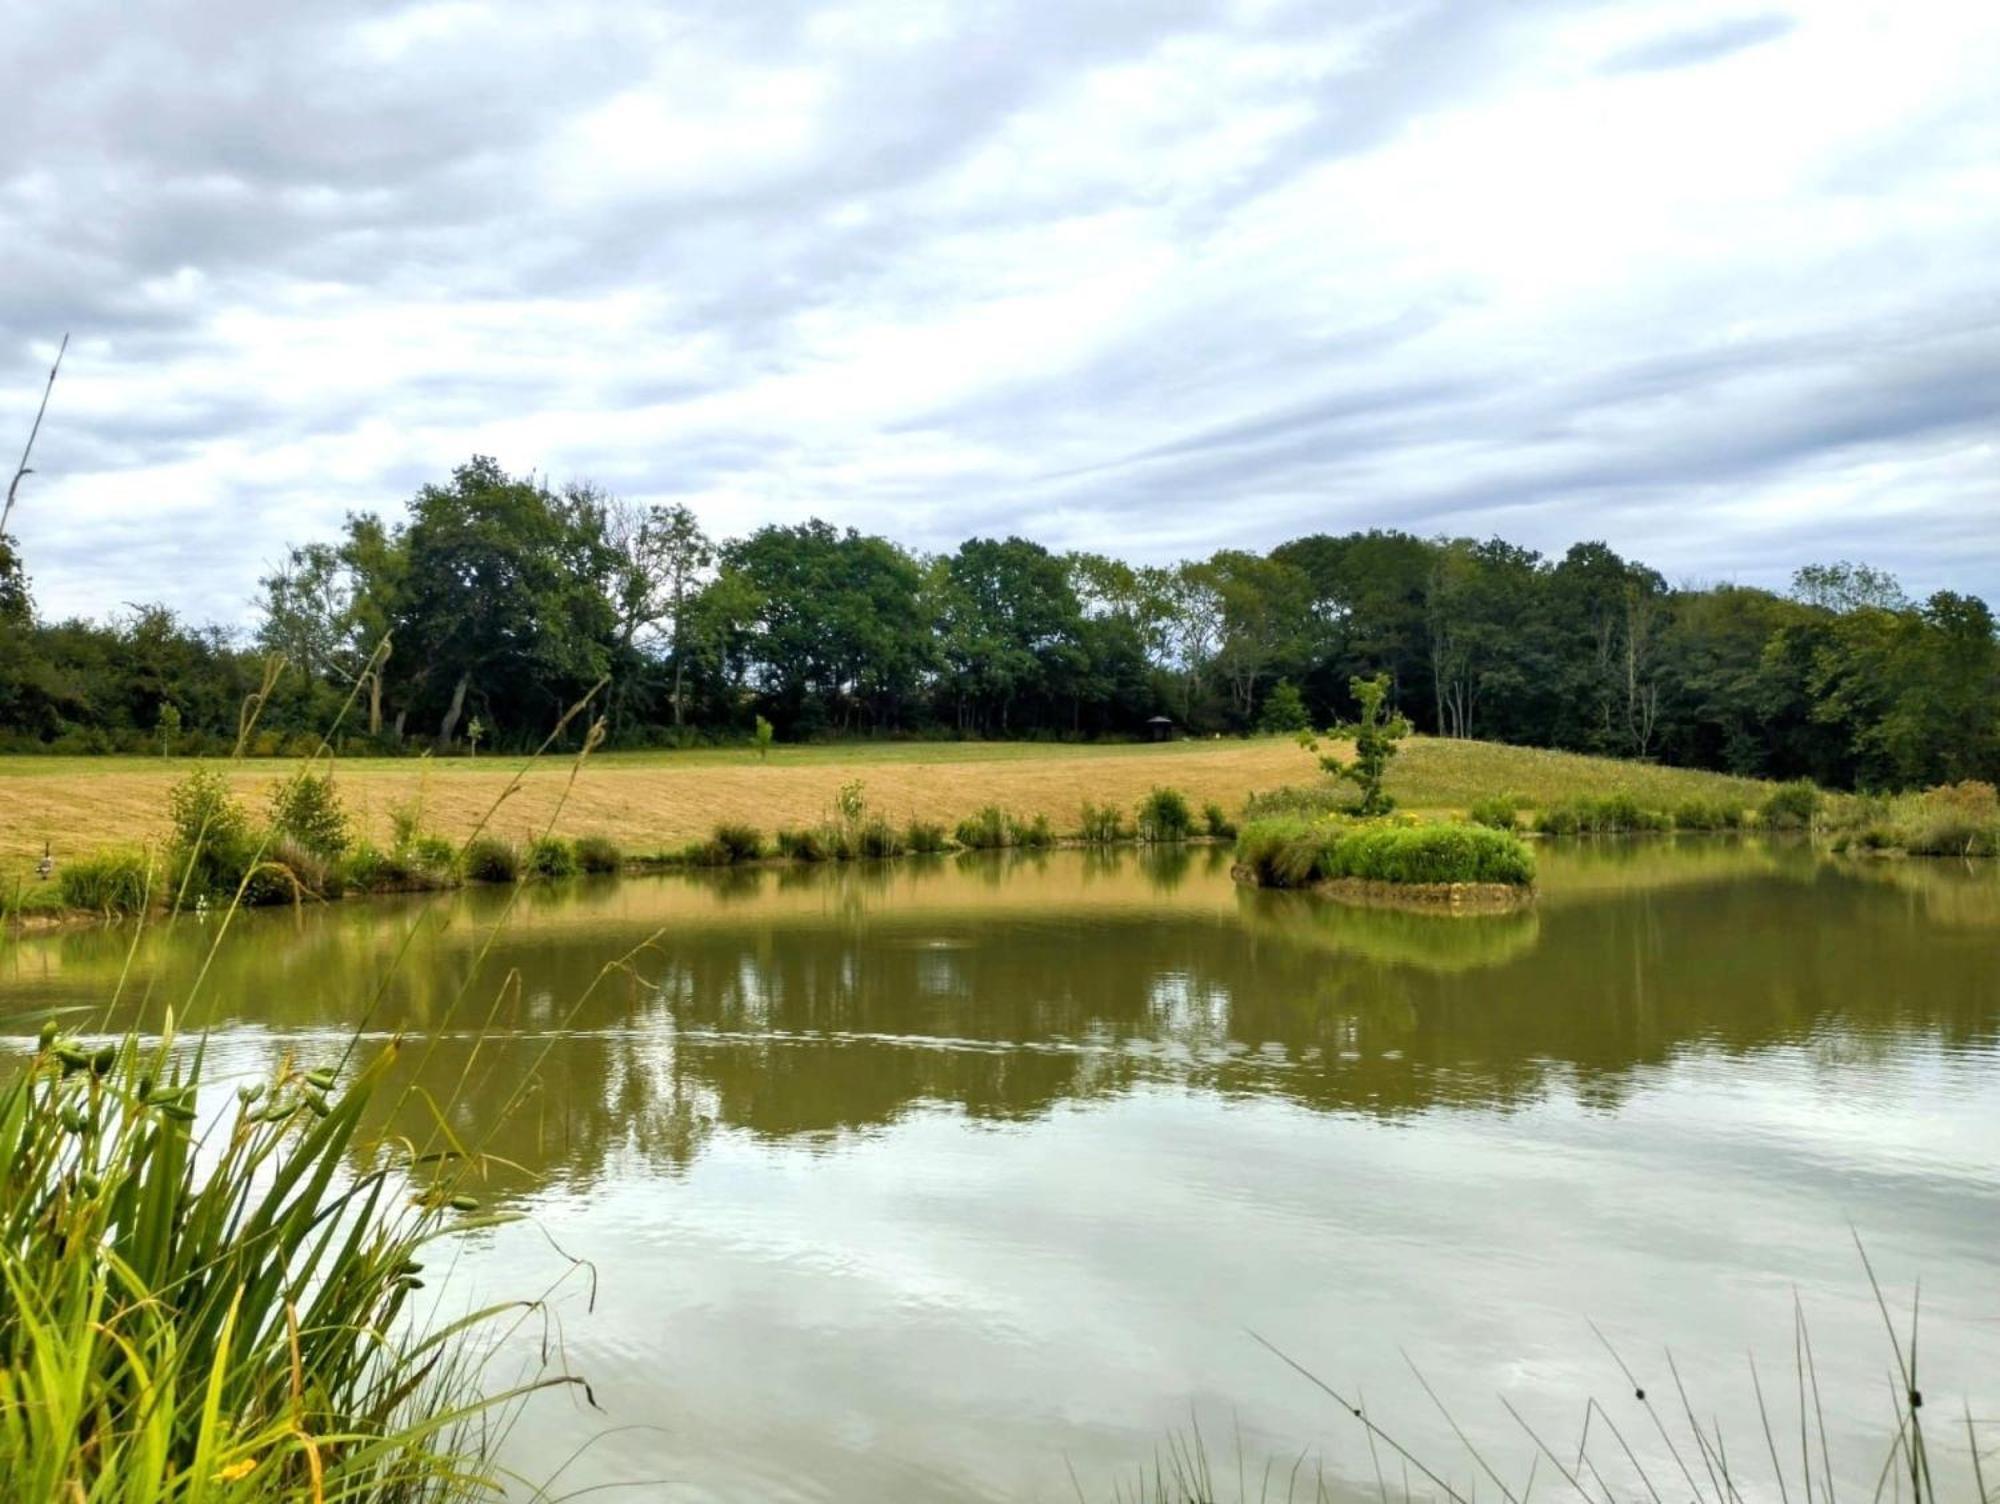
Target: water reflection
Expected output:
[808,1003]
[931,1179]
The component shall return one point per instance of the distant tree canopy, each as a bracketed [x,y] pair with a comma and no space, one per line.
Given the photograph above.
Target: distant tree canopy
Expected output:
[500,598]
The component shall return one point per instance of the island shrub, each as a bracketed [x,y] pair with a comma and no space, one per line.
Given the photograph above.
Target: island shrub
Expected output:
[1101,824]
[1216,822]
[1293,853]
[1792,806]
[551,856]
[598,855]
[926,837]
[1164,815]
[490,859]
[109,883]
[1496,812]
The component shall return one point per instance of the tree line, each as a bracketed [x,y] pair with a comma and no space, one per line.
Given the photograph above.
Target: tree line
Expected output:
[498,600]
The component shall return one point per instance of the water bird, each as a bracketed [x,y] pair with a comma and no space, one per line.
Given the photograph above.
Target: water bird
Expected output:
[47,864]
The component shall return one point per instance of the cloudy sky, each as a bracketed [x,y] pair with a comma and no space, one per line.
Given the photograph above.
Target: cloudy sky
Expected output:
[1719,283]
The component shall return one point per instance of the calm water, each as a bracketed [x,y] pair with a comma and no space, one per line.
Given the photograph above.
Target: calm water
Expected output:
[936,1180]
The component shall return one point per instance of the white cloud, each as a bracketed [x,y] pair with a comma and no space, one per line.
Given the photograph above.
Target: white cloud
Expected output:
[1710,281]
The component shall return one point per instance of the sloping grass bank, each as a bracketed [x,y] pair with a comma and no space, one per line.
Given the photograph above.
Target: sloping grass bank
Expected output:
[666,801]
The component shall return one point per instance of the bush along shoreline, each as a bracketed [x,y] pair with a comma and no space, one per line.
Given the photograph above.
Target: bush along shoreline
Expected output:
[306,850]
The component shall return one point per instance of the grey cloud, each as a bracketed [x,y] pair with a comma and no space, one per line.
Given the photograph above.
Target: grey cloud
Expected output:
[256,150]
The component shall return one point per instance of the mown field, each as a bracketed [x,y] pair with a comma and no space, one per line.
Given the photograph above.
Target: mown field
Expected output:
[661,800]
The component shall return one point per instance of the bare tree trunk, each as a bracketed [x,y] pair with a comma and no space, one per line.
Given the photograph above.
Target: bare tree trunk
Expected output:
[450,723]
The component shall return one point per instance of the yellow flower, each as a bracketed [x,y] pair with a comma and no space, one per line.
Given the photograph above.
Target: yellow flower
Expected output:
[236,1470]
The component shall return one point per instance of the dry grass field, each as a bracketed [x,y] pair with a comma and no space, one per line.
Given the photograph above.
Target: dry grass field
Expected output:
[654,801]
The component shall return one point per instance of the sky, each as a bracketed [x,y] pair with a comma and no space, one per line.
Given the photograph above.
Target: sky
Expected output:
[1718,284]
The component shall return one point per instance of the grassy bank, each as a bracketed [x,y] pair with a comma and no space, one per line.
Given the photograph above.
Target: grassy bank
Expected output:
[665,801]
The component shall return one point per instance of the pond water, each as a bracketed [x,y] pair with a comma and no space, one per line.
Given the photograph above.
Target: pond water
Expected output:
[947,1179]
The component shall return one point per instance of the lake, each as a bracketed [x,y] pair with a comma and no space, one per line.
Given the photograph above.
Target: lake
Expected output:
[951,1178]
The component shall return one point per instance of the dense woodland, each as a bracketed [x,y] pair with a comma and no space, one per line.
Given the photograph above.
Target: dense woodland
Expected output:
[498,600]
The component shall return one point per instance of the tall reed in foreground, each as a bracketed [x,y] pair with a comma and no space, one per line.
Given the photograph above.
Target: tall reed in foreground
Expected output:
[216,1305]
[206,1304]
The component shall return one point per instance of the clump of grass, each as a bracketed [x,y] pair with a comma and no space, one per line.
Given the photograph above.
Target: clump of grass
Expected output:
[1035,834]
[552,856]
[490,859]
[876,839]
[183,1325]
[1164,816]
[1496,812]
[1308,800]
[1792,806]
[806,845]
[598,855]
[1101,824]
[1709,814]
[732,842]
[1216,822]
[1293,853]
[987,829]
[111,883]
[925,837]
[1605,815]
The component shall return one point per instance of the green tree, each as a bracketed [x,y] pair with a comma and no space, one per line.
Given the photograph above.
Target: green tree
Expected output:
[1374,732]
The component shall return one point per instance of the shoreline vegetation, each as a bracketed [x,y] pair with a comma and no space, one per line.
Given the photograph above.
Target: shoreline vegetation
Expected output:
[310,848]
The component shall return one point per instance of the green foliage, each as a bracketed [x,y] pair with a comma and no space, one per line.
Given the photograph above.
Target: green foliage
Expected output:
[109,883]
[1216,823]
[552,856]
[876,839]
[1035,834]
[731,842]
[1284,710]
[598,854]
[211,845]
[169,727]
[762,737]
[1709,814]
[490,859]
[1164,816]
[1374,733]
[1611,814]
[181,1325]
[987,829]
[1310,800]
[1101,824]
[1497,812]
[306,809]
[807,845]
[1288,852]
[992,828]
[925,837]
[1792,806]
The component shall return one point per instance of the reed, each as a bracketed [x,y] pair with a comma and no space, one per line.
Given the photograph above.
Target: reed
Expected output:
[1164,815]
